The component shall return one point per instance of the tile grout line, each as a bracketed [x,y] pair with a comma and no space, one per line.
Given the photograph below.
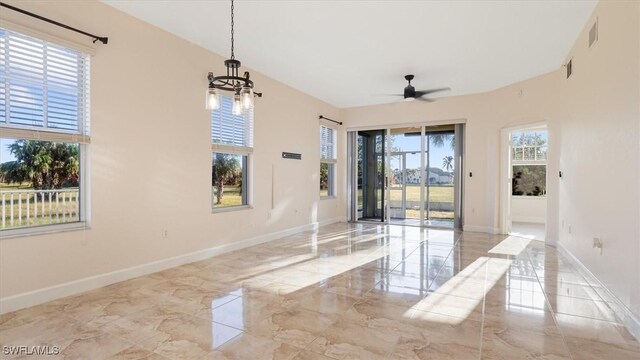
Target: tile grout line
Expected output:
[548,303]
[484,304]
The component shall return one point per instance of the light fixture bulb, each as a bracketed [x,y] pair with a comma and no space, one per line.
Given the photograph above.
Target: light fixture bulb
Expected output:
[237,105]
[212,99]
[247,97]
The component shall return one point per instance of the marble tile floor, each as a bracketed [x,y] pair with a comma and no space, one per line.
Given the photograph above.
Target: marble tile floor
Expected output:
[346,291]
[528,230]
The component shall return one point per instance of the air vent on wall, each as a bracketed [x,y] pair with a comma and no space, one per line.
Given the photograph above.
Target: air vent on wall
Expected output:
[569,67]
[593,33]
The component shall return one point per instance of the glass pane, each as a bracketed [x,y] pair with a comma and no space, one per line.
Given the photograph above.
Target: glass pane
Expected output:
[529,153]
[326,176]
[541,153]
[228,180]
[371,174]
[517,153]
[439,204]
[39,183]
[404,184]
[529,180]
[529,145]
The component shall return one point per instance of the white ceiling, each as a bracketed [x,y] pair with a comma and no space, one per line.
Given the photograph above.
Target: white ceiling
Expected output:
[352,53]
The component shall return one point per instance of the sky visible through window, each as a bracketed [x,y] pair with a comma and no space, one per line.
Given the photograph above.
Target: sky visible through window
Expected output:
[5,155]
[412,143]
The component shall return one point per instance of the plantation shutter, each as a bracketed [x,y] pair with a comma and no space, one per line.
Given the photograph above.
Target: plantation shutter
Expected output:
[231,132]
[44,89]
[327,144]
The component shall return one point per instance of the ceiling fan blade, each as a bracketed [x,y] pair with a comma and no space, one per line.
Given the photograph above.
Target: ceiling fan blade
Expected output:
[425,99]
[431,91]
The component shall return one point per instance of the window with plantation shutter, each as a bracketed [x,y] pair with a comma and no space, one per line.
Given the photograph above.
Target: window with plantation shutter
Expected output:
[228,129]
[232,156]
[44,134]
[327,143]
[43,86]
[327,162]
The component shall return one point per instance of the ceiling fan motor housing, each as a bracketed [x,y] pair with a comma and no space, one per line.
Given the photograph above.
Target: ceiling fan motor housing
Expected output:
[409,91]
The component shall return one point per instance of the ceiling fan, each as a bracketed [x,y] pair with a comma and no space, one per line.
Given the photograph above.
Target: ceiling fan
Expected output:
[410,93]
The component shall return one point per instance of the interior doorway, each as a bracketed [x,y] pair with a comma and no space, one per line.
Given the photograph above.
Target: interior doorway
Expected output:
[524,194]
[406,175]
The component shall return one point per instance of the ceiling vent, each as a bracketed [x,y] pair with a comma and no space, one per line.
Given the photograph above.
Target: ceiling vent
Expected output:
[593,33]
[569,67]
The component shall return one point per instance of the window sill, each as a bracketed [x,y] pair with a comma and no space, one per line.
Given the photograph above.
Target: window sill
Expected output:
[327,197]
[529,196]
[43,230]
[231,208]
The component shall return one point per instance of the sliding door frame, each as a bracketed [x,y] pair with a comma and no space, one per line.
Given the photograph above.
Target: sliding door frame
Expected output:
[352,170]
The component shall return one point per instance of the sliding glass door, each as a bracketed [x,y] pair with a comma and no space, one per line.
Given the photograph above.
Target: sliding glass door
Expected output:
[406,176]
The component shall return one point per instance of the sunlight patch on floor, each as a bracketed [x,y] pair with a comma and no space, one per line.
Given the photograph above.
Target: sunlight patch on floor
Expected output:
[461,295]
[512,245]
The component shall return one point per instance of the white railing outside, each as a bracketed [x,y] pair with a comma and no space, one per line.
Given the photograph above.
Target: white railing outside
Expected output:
[22,208]
[529,153]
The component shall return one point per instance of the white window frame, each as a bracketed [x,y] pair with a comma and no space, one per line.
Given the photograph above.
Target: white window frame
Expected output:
[81,137]
[236,150]
[330,160]
[523,162]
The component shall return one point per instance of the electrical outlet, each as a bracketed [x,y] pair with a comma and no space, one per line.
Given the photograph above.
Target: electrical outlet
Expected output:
[165,233]
[569,228]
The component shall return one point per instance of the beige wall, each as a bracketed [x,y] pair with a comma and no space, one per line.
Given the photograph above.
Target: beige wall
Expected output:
[529,208]
[600,147]
[151,156]
[593,122]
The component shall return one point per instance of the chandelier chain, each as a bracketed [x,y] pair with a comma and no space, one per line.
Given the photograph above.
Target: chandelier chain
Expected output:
[232,54]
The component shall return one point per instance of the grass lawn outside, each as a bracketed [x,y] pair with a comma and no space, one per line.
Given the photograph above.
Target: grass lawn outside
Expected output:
[230,197]
[437,193]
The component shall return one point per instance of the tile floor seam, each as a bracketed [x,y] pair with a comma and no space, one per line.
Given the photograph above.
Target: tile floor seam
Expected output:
[442,266]
[553,313]
[486,274]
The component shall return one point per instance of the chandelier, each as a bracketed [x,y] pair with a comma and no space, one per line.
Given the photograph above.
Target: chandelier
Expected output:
[241,86]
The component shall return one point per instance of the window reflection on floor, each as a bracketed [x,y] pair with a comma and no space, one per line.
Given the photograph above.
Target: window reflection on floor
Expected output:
[523,291]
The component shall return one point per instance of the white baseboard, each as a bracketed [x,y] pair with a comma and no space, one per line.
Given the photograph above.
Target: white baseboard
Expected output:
[39,296]
[528,219]
[630,320]
[482,229]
